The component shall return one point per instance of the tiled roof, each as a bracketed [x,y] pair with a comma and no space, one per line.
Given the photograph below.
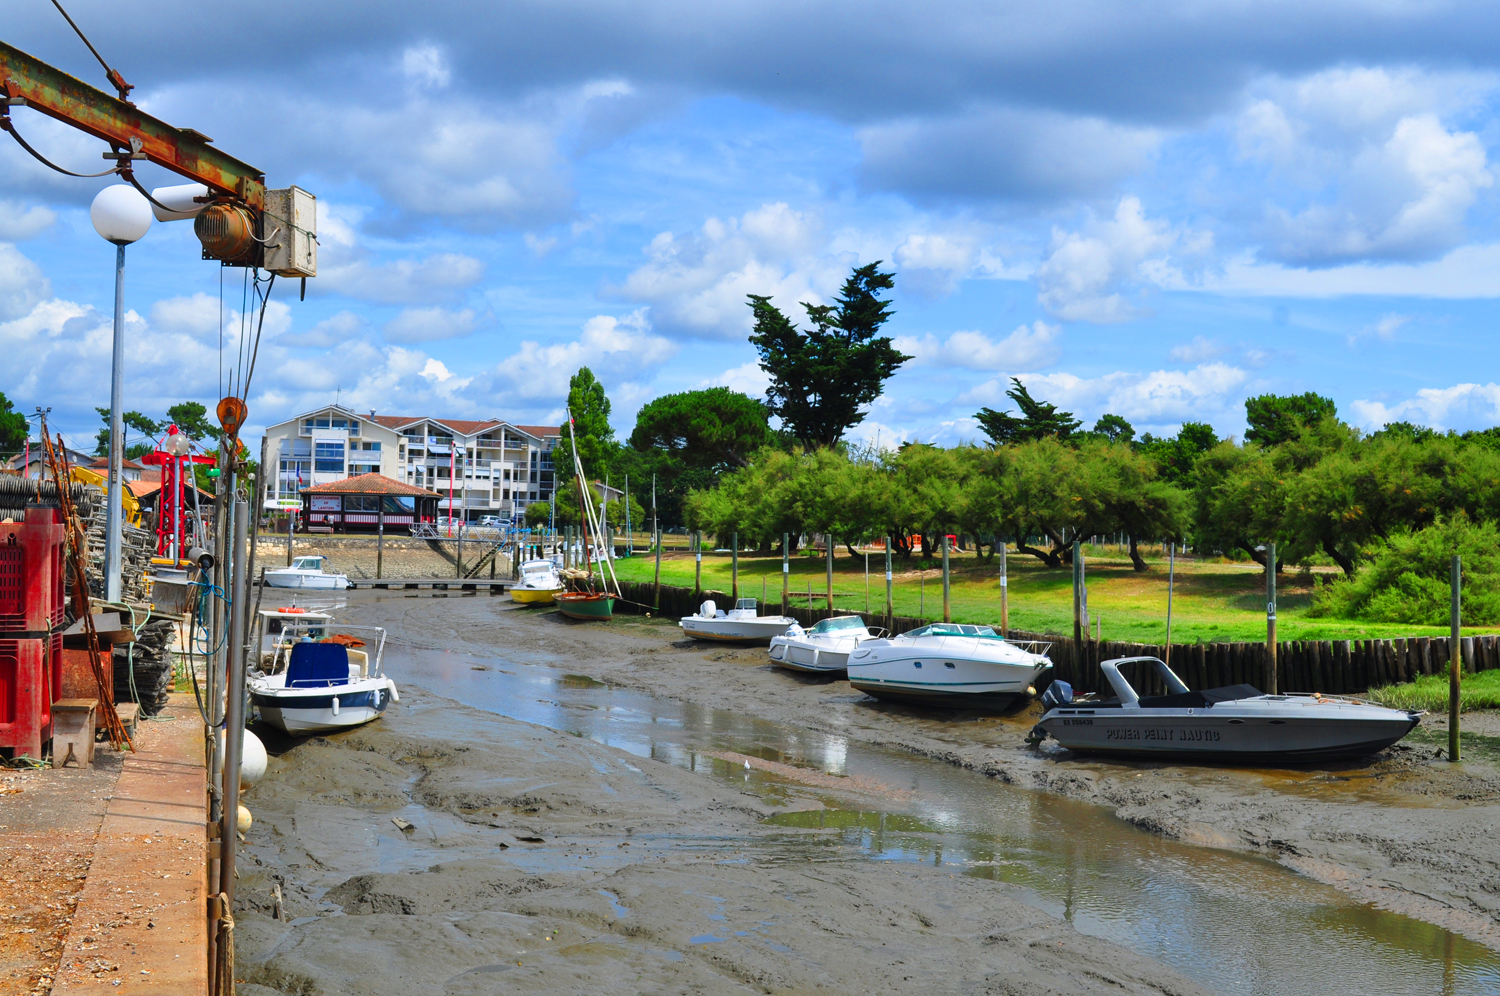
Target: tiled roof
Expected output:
[125,463]
[464,427]
[371,484]
[467,426]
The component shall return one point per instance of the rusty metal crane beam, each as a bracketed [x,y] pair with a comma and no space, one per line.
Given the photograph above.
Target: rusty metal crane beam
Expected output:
[181,150]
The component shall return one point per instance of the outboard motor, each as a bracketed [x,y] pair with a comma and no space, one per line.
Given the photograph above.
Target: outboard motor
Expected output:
[1059,693]
[708,609]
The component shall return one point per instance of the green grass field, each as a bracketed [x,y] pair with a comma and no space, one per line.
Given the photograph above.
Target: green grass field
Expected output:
[1214,600]
[1477,691]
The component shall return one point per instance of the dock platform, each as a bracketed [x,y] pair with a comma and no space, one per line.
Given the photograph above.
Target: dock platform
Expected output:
[141,923]
[494,587]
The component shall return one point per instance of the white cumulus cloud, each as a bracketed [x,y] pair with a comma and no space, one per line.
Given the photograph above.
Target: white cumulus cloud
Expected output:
[1090,276]
[1461,407]
[1028,347]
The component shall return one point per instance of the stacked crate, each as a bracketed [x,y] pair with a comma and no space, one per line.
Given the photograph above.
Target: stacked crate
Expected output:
[32,611]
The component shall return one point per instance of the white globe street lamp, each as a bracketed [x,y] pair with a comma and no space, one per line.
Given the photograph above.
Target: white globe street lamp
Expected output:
[120,215]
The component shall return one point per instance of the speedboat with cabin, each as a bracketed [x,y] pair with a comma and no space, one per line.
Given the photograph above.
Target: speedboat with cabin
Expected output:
[742,624]
[306,572]
[825,648]
[539,582]
[1237,724]
[953,665]
[316,685]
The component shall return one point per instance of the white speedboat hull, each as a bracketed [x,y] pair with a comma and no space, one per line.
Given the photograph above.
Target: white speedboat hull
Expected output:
[926,679]
[946,665]
[809,656]
[729,630]
[298,579]
[320,710]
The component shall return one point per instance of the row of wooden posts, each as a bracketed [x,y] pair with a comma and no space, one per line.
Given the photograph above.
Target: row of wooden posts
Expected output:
[1323,666]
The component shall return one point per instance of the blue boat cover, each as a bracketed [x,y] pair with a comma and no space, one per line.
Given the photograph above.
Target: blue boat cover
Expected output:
[316,664]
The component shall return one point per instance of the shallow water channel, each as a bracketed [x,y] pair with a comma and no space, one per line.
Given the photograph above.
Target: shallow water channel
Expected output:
[1235,923]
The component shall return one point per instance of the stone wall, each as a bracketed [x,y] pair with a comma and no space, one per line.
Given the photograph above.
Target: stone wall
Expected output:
[404,557]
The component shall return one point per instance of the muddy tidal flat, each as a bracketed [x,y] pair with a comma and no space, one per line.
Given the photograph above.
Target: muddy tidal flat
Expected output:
[614,809]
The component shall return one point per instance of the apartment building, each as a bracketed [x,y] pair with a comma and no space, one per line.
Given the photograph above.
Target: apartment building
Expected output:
[488,467]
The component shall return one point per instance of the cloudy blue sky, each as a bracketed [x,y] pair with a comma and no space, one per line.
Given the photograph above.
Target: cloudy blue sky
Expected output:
[1152,209]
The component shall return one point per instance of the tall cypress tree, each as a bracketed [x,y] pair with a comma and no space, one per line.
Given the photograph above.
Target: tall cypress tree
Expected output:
[820,379]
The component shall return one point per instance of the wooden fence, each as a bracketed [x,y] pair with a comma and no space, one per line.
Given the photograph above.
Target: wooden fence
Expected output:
[1329,666]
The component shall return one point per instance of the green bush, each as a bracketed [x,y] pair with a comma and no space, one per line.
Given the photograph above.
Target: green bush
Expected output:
[1407,581]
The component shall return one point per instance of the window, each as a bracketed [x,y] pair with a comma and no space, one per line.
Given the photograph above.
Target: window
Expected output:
[396,505]
[369,447]
[329,458]
[361,503]
[505,494]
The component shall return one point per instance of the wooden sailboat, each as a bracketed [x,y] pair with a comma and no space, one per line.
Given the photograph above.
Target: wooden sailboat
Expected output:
[585,603]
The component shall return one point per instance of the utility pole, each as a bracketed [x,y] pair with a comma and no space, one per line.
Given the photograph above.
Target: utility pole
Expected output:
[734,569]
[1271,618]
[1455,661]
[890,607]
[947,609]
[786,569]
[1171,583]
[1077,605]
[829,545]
[1004,594]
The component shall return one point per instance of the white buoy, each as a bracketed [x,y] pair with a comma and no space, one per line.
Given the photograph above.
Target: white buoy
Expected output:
[252,760]
[242,823]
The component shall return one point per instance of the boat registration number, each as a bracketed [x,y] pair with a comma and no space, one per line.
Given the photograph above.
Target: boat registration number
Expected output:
[1161,733]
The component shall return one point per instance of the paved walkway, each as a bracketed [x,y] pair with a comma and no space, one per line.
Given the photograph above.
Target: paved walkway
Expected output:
[141,924]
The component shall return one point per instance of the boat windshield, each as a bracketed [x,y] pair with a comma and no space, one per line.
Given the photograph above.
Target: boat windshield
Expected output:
[955,629]
[746,603]
[307,564]
[841,623]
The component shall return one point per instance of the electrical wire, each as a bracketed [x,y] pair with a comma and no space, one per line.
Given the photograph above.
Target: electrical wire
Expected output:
[10,126]
[260,327]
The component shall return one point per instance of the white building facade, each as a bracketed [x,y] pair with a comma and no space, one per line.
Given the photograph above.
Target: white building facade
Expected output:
[489,467]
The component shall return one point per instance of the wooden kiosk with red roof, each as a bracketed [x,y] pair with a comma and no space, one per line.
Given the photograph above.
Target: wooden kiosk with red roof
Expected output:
[360,503]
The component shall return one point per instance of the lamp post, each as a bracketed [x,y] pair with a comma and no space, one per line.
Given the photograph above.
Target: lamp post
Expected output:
[121,216]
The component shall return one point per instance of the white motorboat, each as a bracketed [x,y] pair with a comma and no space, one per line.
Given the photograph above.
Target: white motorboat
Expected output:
[955,665]
[1237,723]
[742,624]
[539,582]
[306,572]
[825,648]
[313,686]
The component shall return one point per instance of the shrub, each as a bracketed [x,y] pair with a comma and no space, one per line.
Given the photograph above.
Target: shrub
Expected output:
[1407,580]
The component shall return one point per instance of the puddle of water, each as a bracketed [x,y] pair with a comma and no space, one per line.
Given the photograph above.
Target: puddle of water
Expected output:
[1235,923]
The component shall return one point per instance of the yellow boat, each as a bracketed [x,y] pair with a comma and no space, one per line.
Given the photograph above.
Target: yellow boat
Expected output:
[539,582]
[532,596]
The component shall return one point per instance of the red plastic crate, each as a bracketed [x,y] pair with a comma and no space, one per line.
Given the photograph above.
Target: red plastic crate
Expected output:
[27,680]
[31,572]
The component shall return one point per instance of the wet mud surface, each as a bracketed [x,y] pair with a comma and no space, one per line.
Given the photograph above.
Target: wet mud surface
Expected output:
[543,862]
[870,842]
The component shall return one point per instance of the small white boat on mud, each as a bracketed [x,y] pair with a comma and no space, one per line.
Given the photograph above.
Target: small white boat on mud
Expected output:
[306,572]
[952,665]
[1236,724]
[825,648]
[312,686]
[742,624]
